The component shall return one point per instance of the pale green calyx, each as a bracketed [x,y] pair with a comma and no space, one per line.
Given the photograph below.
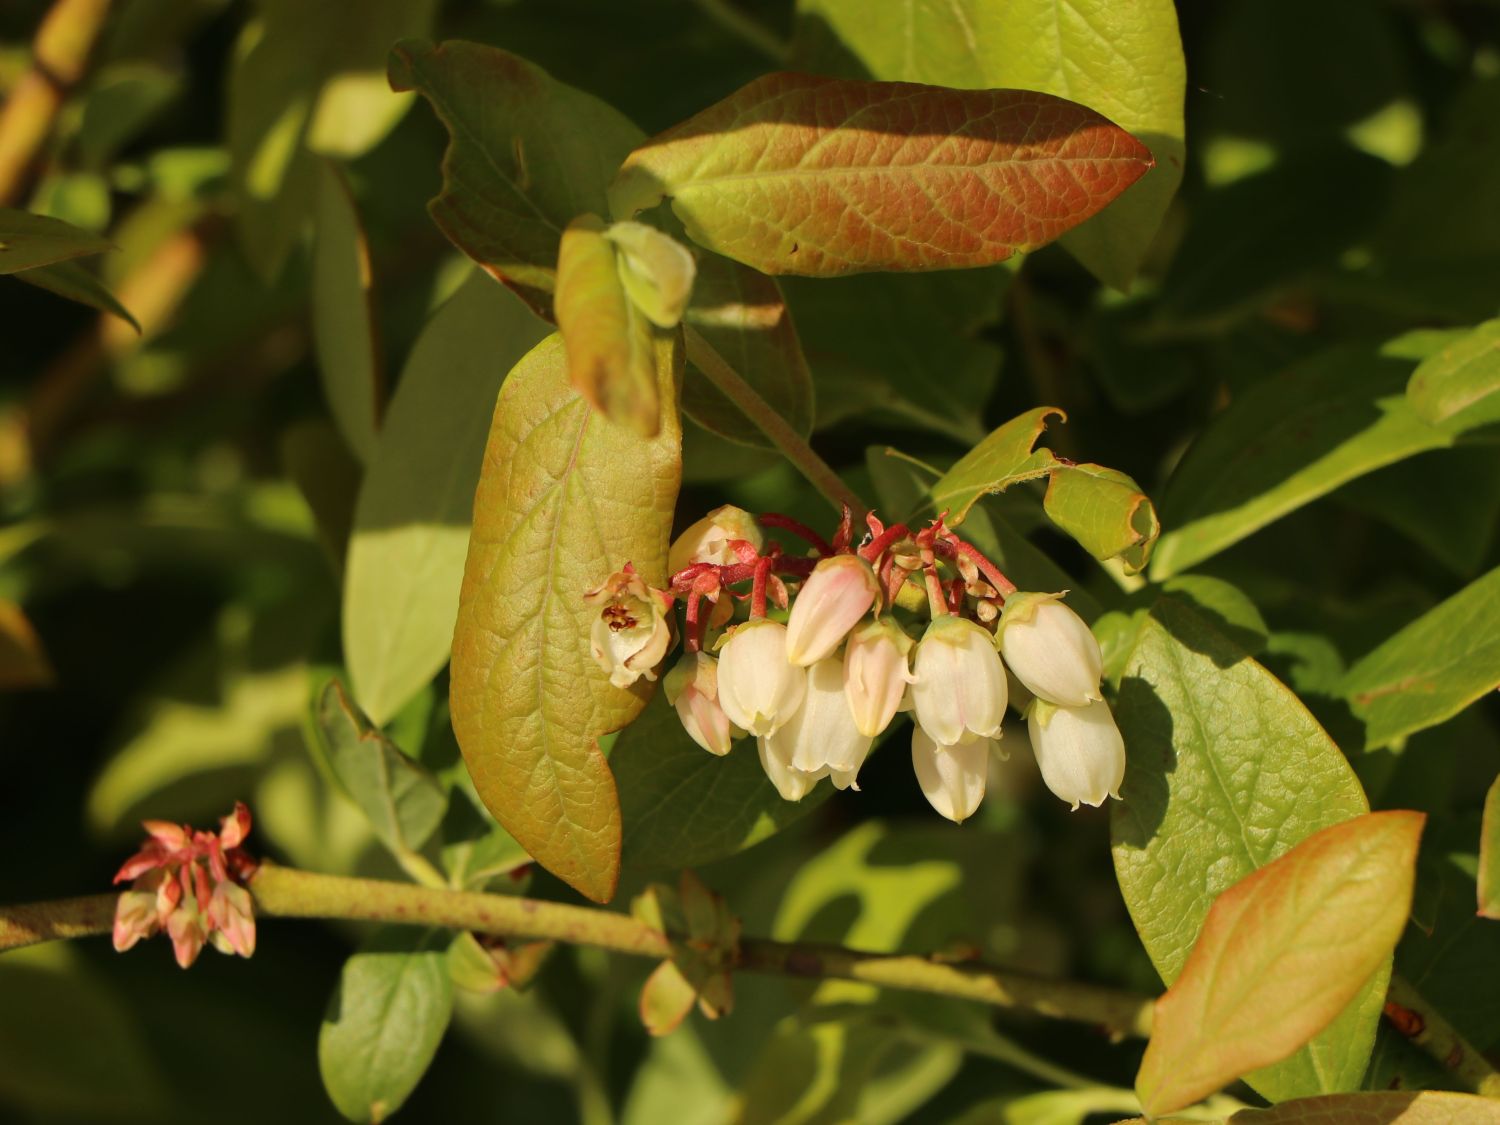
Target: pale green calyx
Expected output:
[656,270]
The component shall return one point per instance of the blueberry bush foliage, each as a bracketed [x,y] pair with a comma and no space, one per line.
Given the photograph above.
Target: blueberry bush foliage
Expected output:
[638,512]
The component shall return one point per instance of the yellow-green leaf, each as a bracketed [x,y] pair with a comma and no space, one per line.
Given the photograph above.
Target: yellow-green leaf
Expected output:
[657,271]
[610,342]
[565,498]
[822,177]
[1281,953]
[28,241]
[1461,379]
[1105,511]
[1489,854]
[1007,456]
[1403,1107]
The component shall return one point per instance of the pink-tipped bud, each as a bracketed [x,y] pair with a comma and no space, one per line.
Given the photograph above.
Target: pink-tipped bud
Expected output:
[692,687]
[1079,749]
[708,540]
[959,692]
[952,777]
[876,674]
[231,917]
[759,688]
[1050,649]
[633,631]
[822,734]
[838,592]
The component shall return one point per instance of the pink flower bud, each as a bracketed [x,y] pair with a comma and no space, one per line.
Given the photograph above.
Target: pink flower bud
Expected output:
[952,777]
[875,674]
[759,688]
[231,917]
[693,688]
[959,691]
[1079,750]
[822,734]
[707,541]
[793,784]
[633,631]
[136,914]
[838,592]
[1050,649]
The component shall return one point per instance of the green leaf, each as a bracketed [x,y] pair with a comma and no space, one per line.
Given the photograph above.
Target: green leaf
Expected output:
[416,502]
[845,177]
[343,316]
[1284,443]
[565,499]
[1122,59]
[23,661]
[122,99]
[743,314]
[526,155]
[1221,606]
[28,241]
[1105,511]
[1432,669]
[403,802]
[1404,1107]
[72,282]
[1280,955]
[610,342]
[1462,381]
[385,1021]
[1227,771]
[304,80]
[683,807]
[1489,855]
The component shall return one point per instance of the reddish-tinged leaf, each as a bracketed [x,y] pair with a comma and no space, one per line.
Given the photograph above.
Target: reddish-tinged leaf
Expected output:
[1406,1107]
[610,342]
[819,176]
[1280,955]
[566,497]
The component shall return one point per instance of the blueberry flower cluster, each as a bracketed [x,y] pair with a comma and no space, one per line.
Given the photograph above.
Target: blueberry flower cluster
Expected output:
[817,684]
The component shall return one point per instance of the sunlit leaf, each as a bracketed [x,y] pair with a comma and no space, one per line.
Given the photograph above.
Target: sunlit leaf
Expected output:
[1433,668]
[416,502]
[1399,1107]
[1280,955]
[1226,772]
[565,498]
[385,1021]
[343,316]
[1122,59]
[526,156]
[28,241]
[1006,457]
[1462,380]
[818,176]
[610,342]
[403,802]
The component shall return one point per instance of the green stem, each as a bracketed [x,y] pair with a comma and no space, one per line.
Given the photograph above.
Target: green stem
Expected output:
[288,893]
[1420,1022]
[706,358]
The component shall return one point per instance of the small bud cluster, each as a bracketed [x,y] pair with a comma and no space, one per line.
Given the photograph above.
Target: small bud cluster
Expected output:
[816,689]
[190,884]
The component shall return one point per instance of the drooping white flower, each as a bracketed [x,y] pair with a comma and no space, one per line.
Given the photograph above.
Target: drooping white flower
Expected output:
[759,688]
[633,630]
[708,540]
[1050,649]
[692,687]
[838,592]
[1079,749]
[793,784]
[959,691]
[875,674]
[822,734]
[952,777]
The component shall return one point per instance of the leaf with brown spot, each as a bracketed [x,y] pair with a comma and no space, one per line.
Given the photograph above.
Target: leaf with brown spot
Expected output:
[823,177]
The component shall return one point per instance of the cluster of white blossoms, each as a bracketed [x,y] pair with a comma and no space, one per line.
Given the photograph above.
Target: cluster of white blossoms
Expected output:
[817,690]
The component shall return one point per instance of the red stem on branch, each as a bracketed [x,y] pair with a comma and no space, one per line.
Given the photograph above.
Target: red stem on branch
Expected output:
[786,523]
[951,546]
[758,591]
[873,549]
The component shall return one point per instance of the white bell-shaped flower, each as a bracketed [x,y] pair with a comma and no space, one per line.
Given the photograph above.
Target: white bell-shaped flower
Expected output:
[876,674]
[838,592]
[1079,750]
[959,692]
[707,541]
[822,734]
[793,784]
[1050,649]
[952,777]
[759,688]
[692,687]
